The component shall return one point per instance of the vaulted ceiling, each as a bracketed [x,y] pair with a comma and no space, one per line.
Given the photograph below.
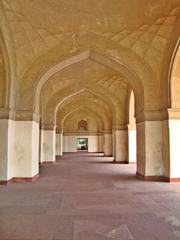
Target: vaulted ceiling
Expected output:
[68,56]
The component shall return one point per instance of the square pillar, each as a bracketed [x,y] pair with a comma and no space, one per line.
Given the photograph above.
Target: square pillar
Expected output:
[108,151]
[59,144]
[6,150]
[171,131]
[120,145]
[26,150]
[150,150]
[48,146]
[100,143]
[132,143]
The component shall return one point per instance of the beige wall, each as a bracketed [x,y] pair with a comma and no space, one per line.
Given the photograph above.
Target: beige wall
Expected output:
[70,143]
[71,123]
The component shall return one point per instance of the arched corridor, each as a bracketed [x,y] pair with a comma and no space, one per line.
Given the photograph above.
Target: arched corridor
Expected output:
[86,196]
[87,77]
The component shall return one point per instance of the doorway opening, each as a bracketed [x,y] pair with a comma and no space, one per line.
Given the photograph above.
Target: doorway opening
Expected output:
[82,144]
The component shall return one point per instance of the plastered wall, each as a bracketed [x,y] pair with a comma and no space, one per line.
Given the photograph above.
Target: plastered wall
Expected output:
[70,143]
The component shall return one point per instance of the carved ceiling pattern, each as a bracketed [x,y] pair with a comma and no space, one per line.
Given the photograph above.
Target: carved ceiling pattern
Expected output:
[84,74]
[38,26]
[85,99]
[130,36]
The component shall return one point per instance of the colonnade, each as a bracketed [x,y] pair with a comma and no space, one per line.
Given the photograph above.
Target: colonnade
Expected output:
[156,142]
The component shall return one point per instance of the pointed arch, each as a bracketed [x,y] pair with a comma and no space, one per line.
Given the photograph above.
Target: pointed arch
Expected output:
[30,93]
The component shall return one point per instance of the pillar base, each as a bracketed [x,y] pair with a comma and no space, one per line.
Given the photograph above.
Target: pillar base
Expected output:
[6,182]
[25,179]
[121,162]
[150,178]
[47,162]
[172,180]
[19,180]
[158,178]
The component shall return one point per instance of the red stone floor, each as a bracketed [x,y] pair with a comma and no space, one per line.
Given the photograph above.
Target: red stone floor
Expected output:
[83,197]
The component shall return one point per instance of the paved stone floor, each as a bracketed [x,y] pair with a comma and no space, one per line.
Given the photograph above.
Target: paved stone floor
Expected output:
[89,198]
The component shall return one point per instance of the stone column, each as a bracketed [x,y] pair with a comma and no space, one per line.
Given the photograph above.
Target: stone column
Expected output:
[6,149]
[132,143]
[100,142]
[120,144]
[26,147]
[48,144]
[59,143]
[108,151]
[171,136]
[150,149]
[19,149]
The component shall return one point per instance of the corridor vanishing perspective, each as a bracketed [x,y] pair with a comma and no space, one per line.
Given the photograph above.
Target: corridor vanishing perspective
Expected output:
[89,119]
[86,196]
[99,71]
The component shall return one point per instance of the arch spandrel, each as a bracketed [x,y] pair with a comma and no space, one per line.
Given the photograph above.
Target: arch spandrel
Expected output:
[2,80]
[169,57]
[7,76]
[175,79]
[87,111]
[63,115]
[9,59]
[70,123]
